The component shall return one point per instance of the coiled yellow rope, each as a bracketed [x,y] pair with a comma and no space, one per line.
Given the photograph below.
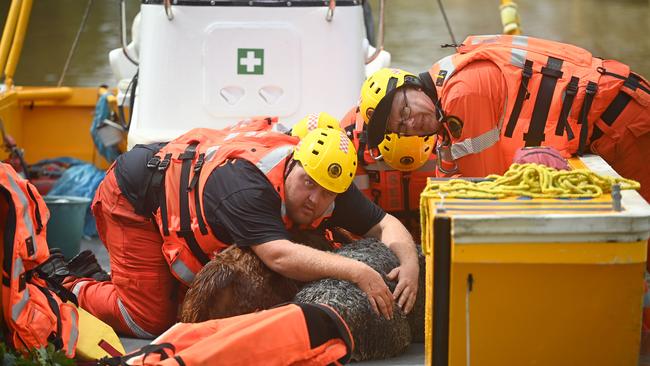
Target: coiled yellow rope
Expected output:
[531,180]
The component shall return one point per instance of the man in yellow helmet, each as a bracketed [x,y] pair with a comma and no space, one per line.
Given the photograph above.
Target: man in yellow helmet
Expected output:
[394,174]
[245,185]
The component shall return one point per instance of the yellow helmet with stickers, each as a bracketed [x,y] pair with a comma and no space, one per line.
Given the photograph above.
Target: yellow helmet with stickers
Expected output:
[313,121]
[328,157]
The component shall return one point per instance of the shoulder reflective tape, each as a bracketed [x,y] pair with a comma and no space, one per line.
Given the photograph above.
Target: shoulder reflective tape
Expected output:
[131,324]
[231,136]
[209,153]
[520,41]
[362,181]
[475,145]
[329,210]
[448,65]
[518,57]
[27,219]
[273,158]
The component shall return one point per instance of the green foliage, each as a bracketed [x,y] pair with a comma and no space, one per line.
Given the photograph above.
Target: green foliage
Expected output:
[37,357]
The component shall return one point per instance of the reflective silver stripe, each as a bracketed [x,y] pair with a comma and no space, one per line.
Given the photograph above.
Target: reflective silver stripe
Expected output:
[329,210]
[250,133]
[283,210]
[209,153]
[362,181]
[18,268]
[77,287]
[378,165]
[74,334]
[476,144]
[518,57]
[429,166]
[131,324]
[20,305]
[27,219]
[520,41]
[490,38]
[270,160]
[231,136]
[183,271]
[448,65]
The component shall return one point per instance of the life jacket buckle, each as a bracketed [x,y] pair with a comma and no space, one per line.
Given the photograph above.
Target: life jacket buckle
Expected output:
[199,163]
[153,162]
[164,164]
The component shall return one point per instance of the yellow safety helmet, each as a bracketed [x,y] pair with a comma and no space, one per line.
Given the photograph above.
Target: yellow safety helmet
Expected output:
[377,85]
[313,121]
[406,153]
[329,157]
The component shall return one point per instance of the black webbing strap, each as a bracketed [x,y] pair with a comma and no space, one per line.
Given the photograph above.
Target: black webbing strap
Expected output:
[522,94]
[441,287]
[158,185]
[55,338]
[145,351]
[569,96]
[617,106]
[590,93]
[197,198]
[39,221]
[550,74]
[184,204]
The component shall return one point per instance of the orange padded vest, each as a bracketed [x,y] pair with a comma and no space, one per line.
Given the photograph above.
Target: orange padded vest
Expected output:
[32,313]
[557,94]
[182,168]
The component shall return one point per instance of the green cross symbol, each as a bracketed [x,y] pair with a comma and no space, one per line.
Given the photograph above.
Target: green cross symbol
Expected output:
[250,61]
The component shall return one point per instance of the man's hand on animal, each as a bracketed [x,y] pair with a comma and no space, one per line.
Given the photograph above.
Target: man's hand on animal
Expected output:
[381,300]
[406,290]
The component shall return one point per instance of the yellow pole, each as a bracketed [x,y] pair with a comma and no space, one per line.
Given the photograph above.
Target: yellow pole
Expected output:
[8,32]
[510,17]
[19,37]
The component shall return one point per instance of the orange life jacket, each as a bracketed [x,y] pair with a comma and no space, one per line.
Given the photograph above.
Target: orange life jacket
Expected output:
[395,191]
[32,314]
[556,93]
[182,168]
[279,336]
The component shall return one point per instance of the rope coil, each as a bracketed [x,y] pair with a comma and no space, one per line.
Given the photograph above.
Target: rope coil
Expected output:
[530,180]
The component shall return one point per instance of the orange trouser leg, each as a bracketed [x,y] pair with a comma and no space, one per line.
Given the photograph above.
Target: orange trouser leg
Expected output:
[140,300]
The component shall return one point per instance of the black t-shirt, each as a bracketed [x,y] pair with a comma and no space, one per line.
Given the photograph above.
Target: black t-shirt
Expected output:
[240,204]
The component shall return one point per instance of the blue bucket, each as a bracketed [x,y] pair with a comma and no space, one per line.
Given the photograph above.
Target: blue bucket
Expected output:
[65,228]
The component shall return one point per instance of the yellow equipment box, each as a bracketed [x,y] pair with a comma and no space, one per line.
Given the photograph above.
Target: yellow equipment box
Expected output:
[518,281]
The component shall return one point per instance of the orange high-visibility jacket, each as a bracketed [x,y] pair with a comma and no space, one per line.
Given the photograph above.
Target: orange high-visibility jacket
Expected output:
[280,336]
[183,166]
[557,94]
[33,314]
[391,189]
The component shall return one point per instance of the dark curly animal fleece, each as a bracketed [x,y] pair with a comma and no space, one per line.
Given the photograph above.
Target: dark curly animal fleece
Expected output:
[237,282]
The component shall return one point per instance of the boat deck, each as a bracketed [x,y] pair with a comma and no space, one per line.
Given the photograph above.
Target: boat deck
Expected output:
[413,356]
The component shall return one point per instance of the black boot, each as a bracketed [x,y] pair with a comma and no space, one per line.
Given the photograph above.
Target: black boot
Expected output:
[85,265]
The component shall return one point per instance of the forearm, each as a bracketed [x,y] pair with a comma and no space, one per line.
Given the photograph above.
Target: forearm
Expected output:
[395,236]
[304,263]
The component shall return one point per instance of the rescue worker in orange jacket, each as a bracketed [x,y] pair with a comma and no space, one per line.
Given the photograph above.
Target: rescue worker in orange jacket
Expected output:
[245,185]
[500,93]
[395,179]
